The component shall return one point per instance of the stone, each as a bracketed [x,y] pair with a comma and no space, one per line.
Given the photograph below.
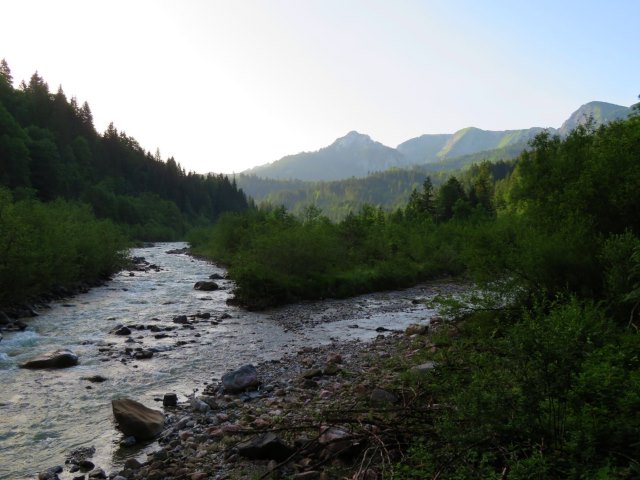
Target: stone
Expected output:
[204,316]
[198,405]
[199,476]
[206,286]
[143,354]
[170,400]
[312,373]
[80,454]
[182,319]
[86,465]
[95,379]
[333,358]
[132,464]
[415,329]
[50,473]
[121,331]
[4,319]
[216,276]
[244,378]
[380,396]
[134,419]
[97,473]
[128,441]
[424,367]
[331,434]
[265,447]
[61,358]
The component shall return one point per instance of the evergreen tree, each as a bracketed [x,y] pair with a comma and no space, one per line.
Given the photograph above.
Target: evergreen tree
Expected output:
[5,72]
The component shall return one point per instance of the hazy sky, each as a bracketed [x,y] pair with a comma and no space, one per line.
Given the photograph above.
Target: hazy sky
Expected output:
[225,85]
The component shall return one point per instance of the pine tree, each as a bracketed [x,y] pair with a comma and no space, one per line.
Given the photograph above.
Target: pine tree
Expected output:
[5,72]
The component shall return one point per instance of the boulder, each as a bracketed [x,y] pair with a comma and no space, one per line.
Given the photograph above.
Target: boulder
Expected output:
[181,319]
[265,447]
[216,276]
[134,419]
[55,359]
[206,286]
[241,379]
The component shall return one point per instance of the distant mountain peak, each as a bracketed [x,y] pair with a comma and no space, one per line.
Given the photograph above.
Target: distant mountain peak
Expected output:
[358,155]
[601,112]
[352,138]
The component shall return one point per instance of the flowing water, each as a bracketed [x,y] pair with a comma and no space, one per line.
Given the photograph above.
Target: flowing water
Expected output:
[46,413]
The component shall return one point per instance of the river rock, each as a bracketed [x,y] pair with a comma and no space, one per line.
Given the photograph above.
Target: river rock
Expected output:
[241,379]
[4,319]
[182,319]
[60,358]
[265,447]
[97,473]
[143,354]
[132,464]
[134,419]
[122,330]
[95,379]
[206,286]
[170,400]
[50,473]
[216,276]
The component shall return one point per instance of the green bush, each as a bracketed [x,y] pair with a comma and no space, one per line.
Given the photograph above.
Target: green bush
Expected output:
[54,244]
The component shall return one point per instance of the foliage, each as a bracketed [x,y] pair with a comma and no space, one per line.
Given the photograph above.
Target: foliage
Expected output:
[57,244]
[49,143]
[540,376]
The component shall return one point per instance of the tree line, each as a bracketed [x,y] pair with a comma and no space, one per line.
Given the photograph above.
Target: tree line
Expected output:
[50,149]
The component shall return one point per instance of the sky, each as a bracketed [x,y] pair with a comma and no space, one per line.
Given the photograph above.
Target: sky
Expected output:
[226,85]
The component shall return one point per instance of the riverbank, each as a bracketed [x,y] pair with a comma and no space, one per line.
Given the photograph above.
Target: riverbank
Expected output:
[333,411]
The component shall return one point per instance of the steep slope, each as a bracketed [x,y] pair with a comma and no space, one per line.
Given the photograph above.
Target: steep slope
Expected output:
[601,112]
[424,148]
[354,155]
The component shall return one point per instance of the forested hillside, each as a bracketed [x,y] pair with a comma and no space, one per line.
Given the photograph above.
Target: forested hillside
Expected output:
[50,149]
[72,199]
[387,190]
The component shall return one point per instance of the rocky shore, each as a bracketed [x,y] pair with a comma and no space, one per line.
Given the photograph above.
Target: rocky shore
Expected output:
[319,413]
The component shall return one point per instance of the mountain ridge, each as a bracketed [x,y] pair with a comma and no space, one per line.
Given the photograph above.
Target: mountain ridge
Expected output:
[358,155]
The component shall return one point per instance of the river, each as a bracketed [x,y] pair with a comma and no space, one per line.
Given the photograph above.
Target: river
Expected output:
[46,413]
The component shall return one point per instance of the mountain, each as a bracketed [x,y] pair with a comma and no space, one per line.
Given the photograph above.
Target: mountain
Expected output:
[424,148]
[357,155]
[354,155]
[601,112]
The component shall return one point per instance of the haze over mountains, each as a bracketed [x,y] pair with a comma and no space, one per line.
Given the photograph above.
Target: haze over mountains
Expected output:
[357,155]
